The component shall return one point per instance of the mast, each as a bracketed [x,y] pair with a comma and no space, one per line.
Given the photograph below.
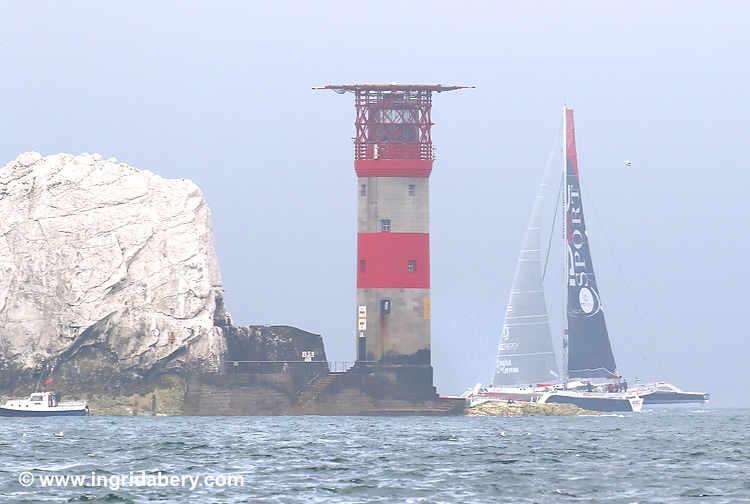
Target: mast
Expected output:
[588,347]
[564,250]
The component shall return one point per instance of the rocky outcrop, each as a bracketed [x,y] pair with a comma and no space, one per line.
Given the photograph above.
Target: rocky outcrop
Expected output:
[494,408]
[106,272]
[272,343]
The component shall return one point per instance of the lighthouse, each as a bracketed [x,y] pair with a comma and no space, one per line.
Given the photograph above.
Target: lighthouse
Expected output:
[393,160]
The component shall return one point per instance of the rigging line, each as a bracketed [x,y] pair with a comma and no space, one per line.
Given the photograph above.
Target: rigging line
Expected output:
[552,229]
[547,174]
[593,211]
[622,278]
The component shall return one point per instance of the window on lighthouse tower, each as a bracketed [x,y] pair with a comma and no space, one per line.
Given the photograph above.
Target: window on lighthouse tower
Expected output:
[411,266]
[385,225]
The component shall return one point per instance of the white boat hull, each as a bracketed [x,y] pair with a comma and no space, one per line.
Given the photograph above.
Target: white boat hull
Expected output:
[596,401]
[13,412]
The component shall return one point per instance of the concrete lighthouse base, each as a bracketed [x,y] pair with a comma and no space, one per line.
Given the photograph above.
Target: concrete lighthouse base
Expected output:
[395,381]
[262,376]
[362,391]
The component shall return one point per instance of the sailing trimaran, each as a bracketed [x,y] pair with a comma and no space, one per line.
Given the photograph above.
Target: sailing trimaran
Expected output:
[526,365]
[586,341]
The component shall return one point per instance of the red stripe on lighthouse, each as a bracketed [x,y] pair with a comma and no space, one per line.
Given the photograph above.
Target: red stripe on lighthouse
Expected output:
[393,167]
[384,260]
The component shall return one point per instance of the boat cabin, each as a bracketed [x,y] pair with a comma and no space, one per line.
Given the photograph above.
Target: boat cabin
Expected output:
[36,400]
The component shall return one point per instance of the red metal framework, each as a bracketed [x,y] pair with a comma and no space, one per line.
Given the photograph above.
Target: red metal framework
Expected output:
[393,121]
[393,124]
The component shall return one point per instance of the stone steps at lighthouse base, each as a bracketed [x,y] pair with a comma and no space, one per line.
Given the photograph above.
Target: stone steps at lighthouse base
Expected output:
[237,400]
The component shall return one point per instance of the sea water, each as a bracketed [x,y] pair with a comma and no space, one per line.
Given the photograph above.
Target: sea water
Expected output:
[668,455]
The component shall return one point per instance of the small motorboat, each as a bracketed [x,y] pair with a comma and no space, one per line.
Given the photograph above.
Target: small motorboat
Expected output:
[666,393]
[43,404]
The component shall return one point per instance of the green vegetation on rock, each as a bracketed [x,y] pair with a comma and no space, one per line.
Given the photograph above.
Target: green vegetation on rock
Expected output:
[164,398]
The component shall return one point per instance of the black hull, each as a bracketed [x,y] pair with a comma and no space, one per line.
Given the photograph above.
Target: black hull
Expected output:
[608,405]
[663,397]
[8,412]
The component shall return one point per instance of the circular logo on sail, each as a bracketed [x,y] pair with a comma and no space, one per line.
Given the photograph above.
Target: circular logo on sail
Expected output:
[587,300]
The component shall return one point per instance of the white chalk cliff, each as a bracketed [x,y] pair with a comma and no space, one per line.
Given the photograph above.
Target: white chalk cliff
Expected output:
[97,254]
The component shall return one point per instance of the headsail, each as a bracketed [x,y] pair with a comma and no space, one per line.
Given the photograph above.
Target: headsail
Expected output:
[588,346]
[526,355]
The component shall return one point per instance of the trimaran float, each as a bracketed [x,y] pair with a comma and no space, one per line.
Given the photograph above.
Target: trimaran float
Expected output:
[526,363]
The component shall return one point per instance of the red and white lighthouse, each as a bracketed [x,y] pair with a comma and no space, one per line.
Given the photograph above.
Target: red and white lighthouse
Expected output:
[393,159]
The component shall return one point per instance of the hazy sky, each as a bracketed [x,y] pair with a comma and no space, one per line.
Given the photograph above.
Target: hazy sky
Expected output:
[219,92]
